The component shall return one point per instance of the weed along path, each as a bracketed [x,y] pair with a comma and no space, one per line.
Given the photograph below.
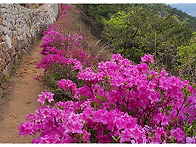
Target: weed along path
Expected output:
[21,98]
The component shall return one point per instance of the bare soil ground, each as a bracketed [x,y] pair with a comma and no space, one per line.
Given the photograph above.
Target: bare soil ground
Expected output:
[21,98]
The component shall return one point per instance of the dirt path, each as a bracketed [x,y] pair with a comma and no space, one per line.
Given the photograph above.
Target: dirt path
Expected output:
[21,98]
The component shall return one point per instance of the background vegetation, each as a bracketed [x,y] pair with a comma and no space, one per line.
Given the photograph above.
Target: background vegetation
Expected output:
[137,29]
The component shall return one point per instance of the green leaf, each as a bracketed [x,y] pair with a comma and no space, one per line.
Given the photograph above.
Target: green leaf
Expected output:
[106,78]
[60,107]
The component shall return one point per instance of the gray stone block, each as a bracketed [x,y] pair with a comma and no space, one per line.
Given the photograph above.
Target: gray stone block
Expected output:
[22,27]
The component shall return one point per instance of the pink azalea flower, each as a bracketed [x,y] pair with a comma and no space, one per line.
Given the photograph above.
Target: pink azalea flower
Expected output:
[66,84]
[45,96]
[42,98]
[126,136]
[191,140]
[178,134]
[147,58]
[164,73]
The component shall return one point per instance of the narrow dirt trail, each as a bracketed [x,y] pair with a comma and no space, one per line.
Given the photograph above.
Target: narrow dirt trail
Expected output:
[22,96]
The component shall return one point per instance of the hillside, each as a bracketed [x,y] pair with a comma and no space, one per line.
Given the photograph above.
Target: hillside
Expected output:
[160,9]
[164,9]
[137,29]
[189,8]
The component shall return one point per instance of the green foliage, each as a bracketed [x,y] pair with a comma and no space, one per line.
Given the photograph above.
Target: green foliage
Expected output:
[187,59]
[14,68]
[137,29]
[104,11]
[6,78]
[6,99]
[120,31]
[165,10]
[58,72]
[190,129]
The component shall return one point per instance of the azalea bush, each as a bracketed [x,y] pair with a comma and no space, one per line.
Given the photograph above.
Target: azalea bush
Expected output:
[118,102]
[62,49]
[112,101]
[62,57]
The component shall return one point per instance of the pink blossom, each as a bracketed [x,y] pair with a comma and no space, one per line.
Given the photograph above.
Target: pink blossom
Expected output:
[147,58]
[190,88]
[191,140]
[163,73]
[178,134]
[76,64]
[116,57]
[126,136]
[159,132]
[66,84]
[87,75]
[42,98]
[142,67]
[45,96]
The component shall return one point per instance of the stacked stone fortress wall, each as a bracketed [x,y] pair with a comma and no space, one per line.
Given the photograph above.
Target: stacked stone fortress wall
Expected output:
[19,30]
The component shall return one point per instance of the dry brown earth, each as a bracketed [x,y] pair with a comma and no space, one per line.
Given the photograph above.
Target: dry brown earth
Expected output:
[21,98]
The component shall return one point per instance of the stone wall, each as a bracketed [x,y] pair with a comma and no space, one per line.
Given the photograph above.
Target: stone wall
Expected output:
[19,29]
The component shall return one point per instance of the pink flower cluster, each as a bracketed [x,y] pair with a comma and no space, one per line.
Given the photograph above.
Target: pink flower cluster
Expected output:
[148,58]
[121,103]
[56,125]
[45,96]
[59,50]
[113,102]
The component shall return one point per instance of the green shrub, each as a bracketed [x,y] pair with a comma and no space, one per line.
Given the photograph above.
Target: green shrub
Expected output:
[187,60]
